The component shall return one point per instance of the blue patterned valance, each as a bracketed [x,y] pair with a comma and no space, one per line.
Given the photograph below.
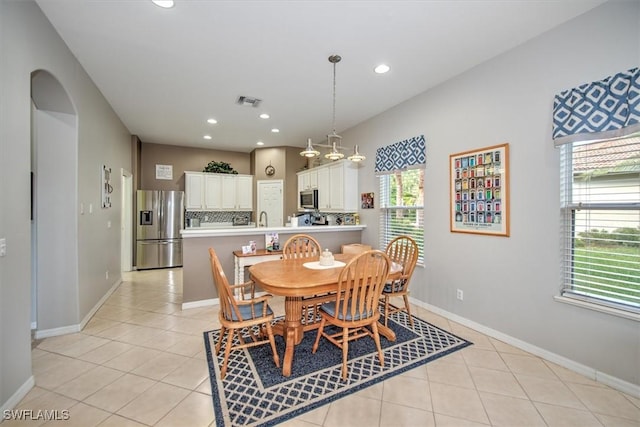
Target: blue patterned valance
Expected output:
[607,108]
[406,154]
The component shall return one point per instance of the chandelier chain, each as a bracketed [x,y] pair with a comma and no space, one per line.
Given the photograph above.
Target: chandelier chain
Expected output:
[334,59]
[334,97]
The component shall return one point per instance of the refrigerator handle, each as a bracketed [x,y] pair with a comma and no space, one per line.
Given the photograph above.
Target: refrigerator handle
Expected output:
[161,215]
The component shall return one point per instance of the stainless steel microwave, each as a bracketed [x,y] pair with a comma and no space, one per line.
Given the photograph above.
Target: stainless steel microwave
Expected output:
[309,199]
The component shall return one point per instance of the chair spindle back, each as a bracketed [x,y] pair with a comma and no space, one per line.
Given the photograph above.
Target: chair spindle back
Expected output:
[301,246]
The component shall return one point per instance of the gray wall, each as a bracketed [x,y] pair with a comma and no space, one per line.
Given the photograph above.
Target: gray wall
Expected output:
[183,159]
[508,99]
[286,160]
[509,283]
[29,43]
[197,277]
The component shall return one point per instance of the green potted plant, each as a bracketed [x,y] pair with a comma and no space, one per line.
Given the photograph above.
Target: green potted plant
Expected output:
[219,167]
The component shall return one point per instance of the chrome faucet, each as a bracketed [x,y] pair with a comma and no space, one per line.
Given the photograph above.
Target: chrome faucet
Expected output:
[266,220]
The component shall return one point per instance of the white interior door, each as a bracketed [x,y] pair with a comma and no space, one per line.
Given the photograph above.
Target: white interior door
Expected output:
[270,200]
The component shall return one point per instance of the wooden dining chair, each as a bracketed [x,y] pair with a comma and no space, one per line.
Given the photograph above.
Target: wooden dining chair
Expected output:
[402,250]
[239,318]
[305,246]
[301,246]
[354,308]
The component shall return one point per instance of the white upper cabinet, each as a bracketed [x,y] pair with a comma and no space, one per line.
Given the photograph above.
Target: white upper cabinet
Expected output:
[244,192]
[237,192]
[324,188]
[228,192]
[217,192]
[193,190]
[212,191]
[337,185]
[308,180]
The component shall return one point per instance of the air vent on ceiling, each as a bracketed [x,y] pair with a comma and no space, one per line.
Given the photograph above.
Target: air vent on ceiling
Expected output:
[247,100]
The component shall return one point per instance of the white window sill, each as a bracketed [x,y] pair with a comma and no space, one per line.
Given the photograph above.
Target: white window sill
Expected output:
[597,307]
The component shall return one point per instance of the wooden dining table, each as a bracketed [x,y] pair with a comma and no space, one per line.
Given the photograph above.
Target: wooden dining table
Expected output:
[291,279]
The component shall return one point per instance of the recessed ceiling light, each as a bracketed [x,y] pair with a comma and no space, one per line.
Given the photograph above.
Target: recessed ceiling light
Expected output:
[259,143]
[264,116]
[207,137]
[167,4]
[275,130]
[381,69]
[212,121]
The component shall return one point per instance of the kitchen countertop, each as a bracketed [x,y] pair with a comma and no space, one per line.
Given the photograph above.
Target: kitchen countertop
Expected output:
[252,230]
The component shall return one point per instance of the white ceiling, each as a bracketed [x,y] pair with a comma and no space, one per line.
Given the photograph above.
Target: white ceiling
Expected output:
[165,71]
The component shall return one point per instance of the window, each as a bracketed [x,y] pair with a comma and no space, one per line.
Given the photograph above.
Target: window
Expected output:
[600,190]
[401,207]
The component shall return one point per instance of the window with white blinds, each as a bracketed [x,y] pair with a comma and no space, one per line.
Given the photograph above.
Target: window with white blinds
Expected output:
[600,190]
[401,207]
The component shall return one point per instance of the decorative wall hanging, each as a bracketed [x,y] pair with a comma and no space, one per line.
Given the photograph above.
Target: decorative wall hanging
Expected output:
[367,200]
[270,170]
[164,172]
[107,188]
[479,191]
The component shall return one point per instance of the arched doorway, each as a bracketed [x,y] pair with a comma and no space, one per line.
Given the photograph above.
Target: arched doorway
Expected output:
[54,165]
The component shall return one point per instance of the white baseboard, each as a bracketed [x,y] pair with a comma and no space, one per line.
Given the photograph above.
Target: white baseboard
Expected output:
[18,395]
[46,333]
[200,303]
[616,383]
[102,300]
[54,332]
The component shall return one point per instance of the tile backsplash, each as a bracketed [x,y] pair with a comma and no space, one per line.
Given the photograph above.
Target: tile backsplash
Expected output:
[216,216]
[227,217]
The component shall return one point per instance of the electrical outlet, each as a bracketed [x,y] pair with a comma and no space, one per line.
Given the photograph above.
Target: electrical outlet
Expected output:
[460,294]
[206,218]
[3,247]
[106,274]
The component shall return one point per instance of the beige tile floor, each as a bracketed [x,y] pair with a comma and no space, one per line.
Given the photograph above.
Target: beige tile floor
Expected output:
[140,361]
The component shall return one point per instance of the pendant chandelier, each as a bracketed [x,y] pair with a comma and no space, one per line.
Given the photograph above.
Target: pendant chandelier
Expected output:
[334,139]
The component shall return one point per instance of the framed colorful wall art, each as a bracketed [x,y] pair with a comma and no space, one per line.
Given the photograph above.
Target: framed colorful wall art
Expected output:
[367,200]
[479,191]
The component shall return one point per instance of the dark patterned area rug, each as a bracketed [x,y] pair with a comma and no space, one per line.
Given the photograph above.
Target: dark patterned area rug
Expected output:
[254,392]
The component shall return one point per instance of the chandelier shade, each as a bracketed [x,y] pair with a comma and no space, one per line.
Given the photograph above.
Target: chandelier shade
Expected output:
[334,154]
[309,151]
[356,156]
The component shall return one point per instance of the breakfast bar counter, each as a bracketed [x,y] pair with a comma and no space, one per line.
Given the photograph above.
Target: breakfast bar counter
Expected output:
[197,281]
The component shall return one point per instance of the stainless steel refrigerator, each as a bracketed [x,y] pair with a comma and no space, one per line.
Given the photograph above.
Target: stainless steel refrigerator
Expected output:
[159,221]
